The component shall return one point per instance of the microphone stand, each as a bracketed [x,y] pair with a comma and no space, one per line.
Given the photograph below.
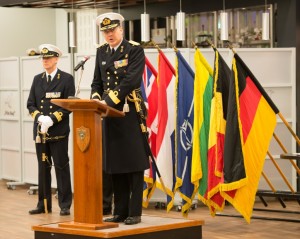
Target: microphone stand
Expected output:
[77,87]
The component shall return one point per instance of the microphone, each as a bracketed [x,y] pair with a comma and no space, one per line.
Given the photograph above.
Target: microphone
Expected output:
[81,63]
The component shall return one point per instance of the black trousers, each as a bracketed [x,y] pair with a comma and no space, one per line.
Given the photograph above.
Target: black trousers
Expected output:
[107,191]
[128,193]
[57,154]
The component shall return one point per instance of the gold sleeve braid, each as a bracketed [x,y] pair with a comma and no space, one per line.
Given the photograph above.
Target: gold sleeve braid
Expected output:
[113,95]
[58,115]
[97,95]
[33,114]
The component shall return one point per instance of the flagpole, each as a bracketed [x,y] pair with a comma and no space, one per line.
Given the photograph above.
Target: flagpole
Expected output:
[174,47]
[285,151]
[136,101]
[289,128]
[155,45]
[273,190]
[211,44]
[268,182]
[231,48]
[281,173]
[194,45]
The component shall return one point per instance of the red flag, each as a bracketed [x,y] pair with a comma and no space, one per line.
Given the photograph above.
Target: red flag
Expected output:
[150,94]
[165,140]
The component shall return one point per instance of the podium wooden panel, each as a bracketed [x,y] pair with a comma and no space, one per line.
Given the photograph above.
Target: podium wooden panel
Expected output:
[87,141]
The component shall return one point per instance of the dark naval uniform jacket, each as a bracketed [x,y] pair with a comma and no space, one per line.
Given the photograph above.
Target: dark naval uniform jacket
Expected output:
[38,103]
[115,77]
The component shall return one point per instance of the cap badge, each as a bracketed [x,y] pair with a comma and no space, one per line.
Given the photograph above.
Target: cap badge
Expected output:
[106,21]
[44,51]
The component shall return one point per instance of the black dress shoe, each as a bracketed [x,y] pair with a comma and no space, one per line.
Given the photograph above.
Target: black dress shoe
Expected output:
[116,218]
[38,210]
[106,211]
[133,220]
[64,212]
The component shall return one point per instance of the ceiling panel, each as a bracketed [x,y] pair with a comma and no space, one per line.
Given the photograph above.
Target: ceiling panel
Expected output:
[77,4]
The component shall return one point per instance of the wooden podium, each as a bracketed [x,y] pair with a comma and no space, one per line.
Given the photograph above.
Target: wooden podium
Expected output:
[87,141]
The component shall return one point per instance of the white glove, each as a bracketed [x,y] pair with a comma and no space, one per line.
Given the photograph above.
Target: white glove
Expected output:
[44,128]
[103,102]
[41,118]
[47,121]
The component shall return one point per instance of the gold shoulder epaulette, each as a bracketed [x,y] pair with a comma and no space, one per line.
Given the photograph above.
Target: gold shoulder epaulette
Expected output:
[104,44]
[134,43]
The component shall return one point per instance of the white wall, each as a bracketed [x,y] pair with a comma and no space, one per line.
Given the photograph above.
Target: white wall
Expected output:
[61,17]
[23,28]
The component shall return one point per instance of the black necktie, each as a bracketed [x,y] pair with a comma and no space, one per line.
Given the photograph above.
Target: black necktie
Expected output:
[112,51]
[49,79]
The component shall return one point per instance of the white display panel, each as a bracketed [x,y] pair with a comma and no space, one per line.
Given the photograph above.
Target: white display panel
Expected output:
[270,66]
[9,73]
[10,132]
[11,163]
[30,168]
[10,108]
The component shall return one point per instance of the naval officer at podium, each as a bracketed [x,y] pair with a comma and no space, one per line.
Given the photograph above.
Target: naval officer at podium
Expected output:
[118,72]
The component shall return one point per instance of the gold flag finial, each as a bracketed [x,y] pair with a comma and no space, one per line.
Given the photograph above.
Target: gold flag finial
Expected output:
[194,45]
[174,47]
[155,45]
[231,48]
[211,44]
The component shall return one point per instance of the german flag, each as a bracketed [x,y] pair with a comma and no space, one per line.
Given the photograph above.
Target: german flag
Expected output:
[251,120]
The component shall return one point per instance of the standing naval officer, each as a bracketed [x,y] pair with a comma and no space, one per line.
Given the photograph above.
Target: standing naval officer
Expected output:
[54,121]
[118,72]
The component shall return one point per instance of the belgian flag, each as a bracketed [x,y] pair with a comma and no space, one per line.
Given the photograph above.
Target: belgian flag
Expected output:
[215,154]
[251,120]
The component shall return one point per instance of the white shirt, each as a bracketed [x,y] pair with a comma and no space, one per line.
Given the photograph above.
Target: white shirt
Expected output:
[52,74]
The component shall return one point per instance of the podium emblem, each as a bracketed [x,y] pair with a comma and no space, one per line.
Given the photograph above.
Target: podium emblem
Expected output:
[83,138]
